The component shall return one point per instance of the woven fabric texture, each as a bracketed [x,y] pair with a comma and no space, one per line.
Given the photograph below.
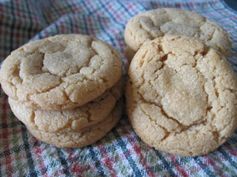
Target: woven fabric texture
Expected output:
[121,152]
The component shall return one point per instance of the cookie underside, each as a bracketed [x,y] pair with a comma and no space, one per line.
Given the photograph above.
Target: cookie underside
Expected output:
[80,139]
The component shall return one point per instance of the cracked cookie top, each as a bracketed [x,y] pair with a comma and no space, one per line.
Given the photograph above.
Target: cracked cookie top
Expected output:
[181,95]
[60,72]
[156,23]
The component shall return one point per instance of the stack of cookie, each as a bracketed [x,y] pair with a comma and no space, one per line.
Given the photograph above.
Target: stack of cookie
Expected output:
[181,91]
[64,88]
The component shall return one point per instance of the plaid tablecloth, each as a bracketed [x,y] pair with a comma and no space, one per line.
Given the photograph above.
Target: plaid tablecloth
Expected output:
[121,152]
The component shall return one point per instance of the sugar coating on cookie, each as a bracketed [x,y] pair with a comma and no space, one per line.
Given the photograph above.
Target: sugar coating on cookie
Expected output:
[156,23]
[59,72]
[73,120]
[80,139]
[181,96]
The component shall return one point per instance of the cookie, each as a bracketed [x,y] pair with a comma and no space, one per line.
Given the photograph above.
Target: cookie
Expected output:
[60,72]
[75,119]
[181,96]
[156,23]
[79,139]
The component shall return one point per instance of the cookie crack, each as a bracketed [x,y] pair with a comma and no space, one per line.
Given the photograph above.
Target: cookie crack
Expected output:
[147,32]
[42,91]
[152,120]
[88,115]
[161,108]
[183,127]
[215,132]
[32,119]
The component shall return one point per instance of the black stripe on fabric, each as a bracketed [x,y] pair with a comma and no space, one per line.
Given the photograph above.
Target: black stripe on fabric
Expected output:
[63,162]
[96,161]
[167,165]
[27,149]
[131,162]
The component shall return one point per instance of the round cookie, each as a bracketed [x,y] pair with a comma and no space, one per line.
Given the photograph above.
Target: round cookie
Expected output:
[156,23]
[79,139]
[181,96]
[60,72]
[76,119]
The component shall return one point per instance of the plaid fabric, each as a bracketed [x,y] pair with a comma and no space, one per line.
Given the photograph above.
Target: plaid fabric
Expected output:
[121,152]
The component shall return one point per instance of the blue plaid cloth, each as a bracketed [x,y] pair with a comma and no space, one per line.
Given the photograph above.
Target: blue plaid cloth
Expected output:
[121,152]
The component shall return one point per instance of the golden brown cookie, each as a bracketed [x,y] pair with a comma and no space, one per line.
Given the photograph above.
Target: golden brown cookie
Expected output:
[156,23]
[80,139]
[75,119]
[60,72]
[181,96]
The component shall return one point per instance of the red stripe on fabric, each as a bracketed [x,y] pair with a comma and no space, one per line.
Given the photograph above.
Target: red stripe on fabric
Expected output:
[178,167]
[133,8]
[129,6]
[76,167]
[38,152]
[62,28]
[212,162]
[79,169]
[230,149]
[138,152]
[117,15]
[177,5]
[233,152]
[142,160]
[1,10]
[107,160]
[17,34]
[6,135]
